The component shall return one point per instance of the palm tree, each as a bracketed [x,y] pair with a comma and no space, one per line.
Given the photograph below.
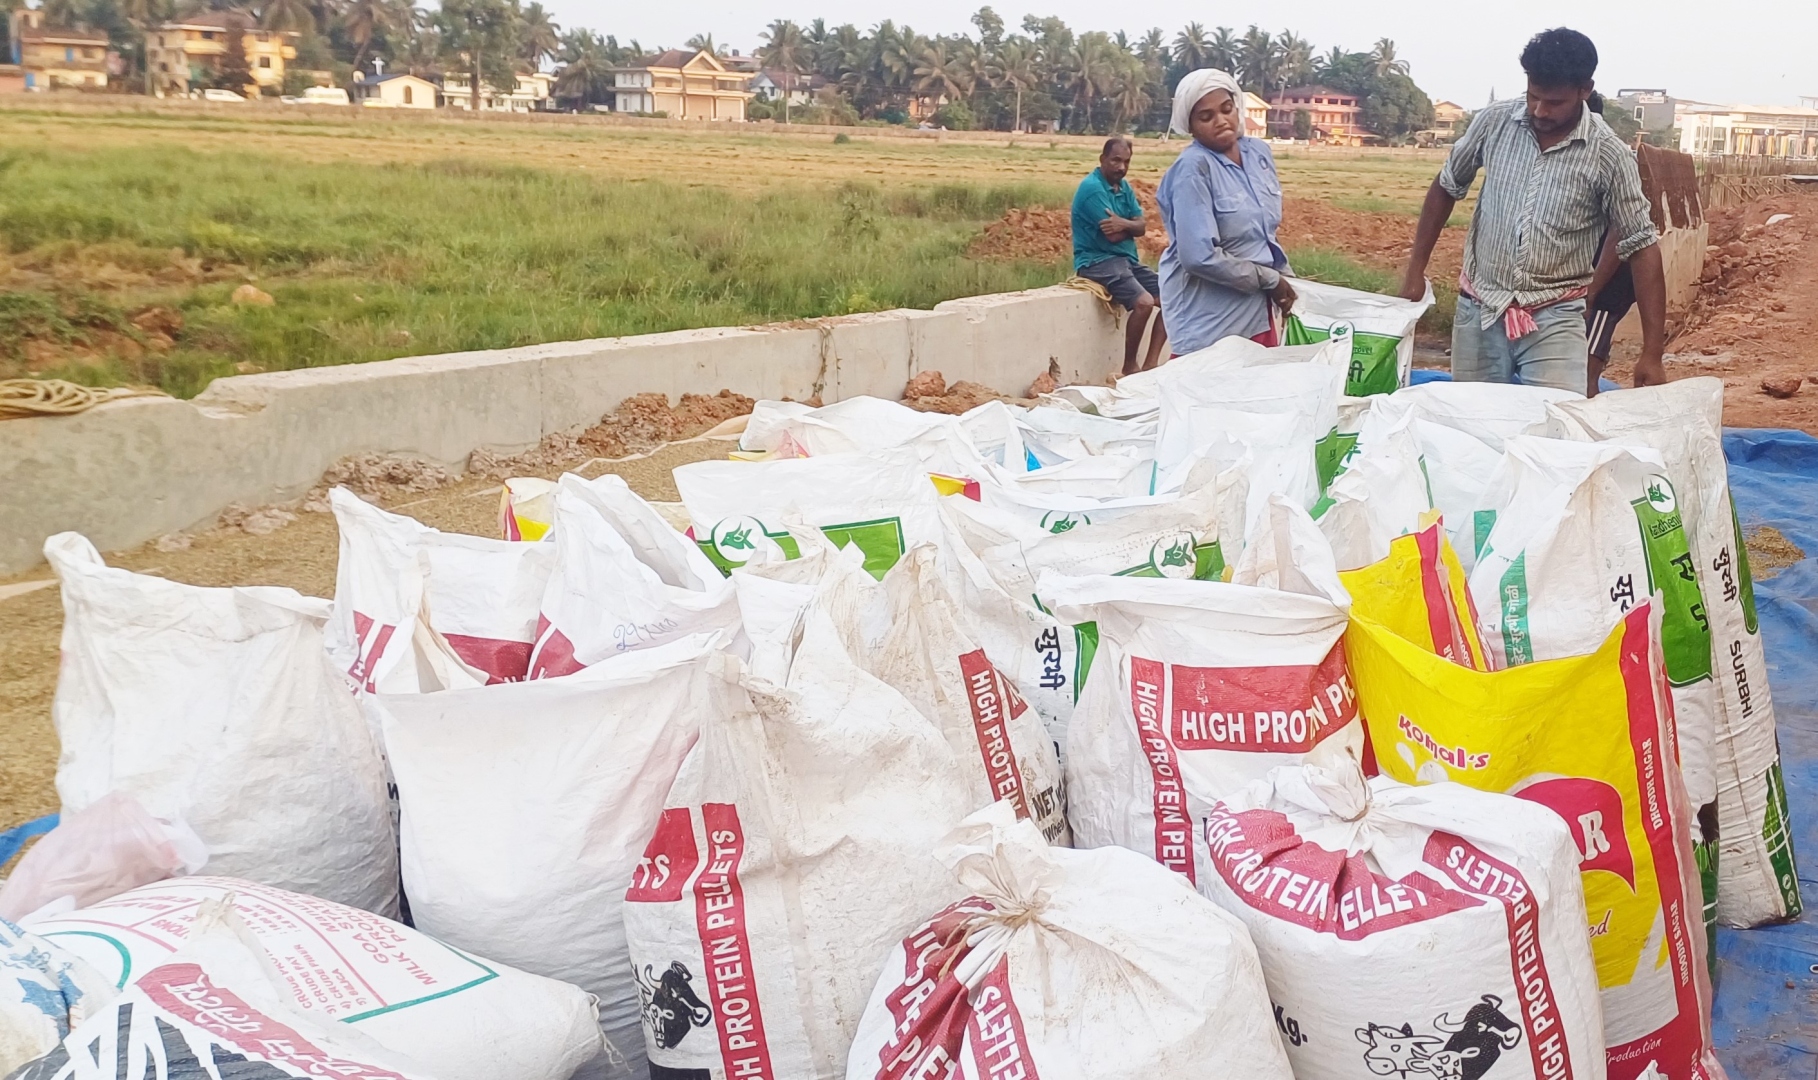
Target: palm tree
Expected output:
[1325,67]
[1086,73]
[1259,58]
[482,36]
[1014,66]
[1153,47]
[1383,56]
[283,15]
[1129,89]
[363,20]
[784,50]
[539,34]
[1296,58]
[1191,49]
[586,73]
[937,74]
[1224,49]
[703,42]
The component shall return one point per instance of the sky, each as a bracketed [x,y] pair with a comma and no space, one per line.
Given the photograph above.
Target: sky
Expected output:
[1741,51]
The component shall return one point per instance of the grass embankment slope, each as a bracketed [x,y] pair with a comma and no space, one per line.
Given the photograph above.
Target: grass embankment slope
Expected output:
[391,237]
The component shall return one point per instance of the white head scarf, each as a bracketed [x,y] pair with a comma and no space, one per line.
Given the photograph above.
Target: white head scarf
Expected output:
[1196,85]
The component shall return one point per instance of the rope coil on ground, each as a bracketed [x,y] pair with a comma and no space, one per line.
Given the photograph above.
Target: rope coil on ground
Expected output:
[21,398]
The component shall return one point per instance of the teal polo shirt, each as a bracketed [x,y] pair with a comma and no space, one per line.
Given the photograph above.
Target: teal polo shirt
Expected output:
[1090,202]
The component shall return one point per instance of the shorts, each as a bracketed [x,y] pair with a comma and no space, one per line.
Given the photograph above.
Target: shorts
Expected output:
[1124,280]
[1611,305]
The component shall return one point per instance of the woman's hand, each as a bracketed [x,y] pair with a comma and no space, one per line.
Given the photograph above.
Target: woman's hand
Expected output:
[1283,295]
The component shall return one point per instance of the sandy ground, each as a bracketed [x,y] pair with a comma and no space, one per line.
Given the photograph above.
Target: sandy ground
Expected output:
[300,555]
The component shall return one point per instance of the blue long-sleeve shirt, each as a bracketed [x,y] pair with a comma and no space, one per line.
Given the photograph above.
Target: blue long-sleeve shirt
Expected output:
[1222,258]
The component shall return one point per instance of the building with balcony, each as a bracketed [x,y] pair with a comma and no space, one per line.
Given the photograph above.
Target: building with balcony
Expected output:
[55,57]
[1789,131]
[681,85]
[1334,115]
[531,94]
[190,50]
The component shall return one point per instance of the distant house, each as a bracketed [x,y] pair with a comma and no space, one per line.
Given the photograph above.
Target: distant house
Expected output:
[1333,113]
[190,49]
[531,94]
[681,85]
[732,61]
[1449,117]
[768,85]
[1654,110]
[52,57]
[395,90]
[1256,116]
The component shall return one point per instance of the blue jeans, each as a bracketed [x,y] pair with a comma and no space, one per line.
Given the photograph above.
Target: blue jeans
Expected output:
[1553,354]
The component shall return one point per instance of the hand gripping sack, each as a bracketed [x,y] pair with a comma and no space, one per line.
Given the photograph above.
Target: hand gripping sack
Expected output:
[1381,329]
[526,807]
[1066,965]
[792,854]
[1757,880]
[1430,931]
[217,1009]
[623,580]
[1590,737]
[457,1015]
[1196,689]
[218,707]
[396,577]
[44,992]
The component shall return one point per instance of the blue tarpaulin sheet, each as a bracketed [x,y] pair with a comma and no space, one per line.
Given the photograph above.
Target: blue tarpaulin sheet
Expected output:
[1766,1018]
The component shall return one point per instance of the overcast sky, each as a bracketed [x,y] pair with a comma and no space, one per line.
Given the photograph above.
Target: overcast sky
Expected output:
[1754,51]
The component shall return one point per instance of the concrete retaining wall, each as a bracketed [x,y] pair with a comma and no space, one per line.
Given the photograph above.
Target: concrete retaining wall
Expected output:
[132,470]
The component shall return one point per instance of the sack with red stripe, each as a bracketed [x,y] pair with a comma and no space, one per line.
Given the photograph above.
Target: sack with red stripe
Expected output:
[1065,964]
[418,609]
[1197,688]
[794,851]
[624,580]
[1431,932]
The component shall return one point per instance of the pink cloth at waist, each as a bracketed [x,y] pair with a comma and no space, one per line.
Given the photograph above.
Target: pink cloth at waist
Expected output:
[1517,321]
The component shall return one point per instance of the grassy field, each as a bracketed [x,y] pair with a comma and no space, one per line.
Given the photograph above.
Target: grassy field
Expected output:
[388,237]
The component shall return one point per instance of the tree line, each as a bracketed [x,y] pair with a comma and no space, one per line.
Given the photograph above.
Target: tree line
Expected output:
[1043,73]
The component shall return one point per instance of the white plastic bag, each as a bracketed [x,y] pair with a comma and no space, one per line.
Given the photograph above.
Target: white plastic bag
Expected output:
[456,1014]
[218,707]
[1431,931]
[623,580]
[526,807]
[1197,688]
[1065,964]
[109,846]
[418,609]
[1381,330]
[1380,493]
[793,853]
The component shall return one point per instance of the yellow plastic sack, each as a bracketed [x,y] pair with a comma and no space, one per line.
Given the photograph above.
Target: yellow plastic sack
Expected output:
[1592,738]
[526,508]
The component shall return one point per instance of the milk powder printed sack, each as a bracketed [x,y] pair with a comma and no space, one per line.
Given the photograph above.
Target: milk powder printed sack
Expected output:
[526,807]
[405,592]
[1757,880]
[462,1017]
[881,501]
[216,1009]
[1587,530]
[1066,965]
[1197,688]
[794,852]
[44,992]
[1381,329]
[1590,737]
[1433,932]
[219,708]
[623,580]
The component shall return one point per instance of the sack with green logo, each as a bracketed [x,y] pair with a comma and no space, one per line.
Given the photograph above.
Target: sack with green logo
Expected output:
[1583,533]
[1757,880]
[1381,329]
[881,502]
[1381,490]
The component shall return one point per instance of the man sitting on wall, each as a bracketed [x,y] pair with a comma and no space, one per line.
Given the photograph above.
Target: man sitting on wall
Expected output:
[1106,222]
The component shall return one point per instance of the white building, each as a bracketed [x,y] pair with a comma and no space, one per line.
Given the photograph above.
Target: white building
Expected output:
[1747,130]
[532,94]
[396,90]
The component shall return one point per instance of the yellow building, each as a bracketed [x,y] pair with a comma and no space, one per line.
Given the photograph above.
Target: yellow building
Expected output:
[51,57]
[682,86]
[188,50]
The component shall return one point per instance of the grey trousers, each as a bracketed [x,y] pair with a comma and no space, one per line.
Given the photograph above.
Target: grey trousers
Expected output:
[1553,354]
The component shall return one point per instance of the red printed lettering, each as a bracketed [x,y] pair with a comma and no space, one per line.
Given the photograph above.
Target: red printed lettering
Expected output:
[1284,709]
[720,919]
[1173,826]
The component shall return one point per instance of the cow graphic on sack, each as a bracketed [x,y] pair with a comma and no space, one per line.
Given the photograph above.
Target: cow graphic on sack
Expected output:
[671,1008]
[1466,1049]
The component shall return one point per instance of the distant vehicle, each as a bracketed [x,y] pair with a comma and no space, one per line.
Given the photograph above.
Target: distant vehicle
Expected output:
[325,95]
[221,95]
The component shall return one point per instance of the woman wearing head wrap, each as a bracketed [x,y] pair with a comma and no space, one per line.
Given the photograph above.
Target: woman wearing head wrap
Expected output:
[1221,203]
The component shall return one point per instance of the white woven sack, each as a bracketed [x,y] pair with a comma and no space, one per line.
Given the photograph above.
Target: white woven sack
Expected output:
[1380,329]
[623,580]
[1066,965]
[44,991]
[526,807]
[219,707]
[461,1016]
[1380,494]
[1432,931]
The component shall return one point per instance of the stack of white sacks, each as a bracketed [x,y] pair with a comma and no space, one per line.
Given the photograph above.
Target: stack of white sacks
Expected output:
[1018,743]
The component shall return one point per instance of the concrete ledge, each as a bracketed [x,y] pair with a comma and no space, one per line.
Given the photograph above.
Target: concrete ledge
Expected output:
[132,470]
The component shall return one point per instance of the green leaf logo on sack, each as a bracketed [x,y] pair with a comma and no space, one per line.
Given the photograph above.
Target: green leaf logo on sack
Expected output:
[1174,558]
[1686,631]
[1060,521]
[736,540]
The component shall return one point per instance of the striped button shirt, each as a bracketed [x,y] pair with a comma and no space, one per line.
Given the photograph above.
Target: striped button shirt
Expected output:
[1542,213]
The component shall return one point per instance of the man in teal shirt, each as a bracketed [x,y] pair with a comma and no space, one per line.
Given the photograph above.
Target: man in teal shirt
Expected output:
[1106,222]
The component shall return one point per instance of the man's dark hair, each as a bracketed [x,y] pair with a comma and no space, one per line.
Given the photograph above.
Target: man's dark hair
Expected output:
[1117,140]
[1594,103]
[1560,57]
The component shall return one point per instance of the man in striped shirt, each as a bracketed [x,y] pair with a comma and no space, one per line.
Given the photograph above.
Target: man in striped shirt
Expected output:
[1555,179]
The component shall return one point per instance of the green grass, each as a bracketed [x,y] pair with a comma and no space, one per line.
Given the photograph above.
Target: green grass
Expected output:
[368,262]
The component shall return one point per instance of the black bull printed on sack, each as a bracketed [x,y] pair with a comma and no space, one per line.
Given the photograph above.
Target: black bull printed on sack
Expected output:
[1476,1043]
[671,1008]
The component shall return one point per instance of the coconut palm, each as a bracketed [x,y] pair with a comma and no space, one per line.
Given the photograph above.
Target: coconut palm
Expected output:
[586,72]
[282,15]
[1296,58]
[538,34]
[1224,49]
[1085,73]
[1259,60]
[939,74]
[1152,47]
[1191,49]
[1129,89]
[703,42]
[784,50]
[1014,67]
[1383,56]
[363,20]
